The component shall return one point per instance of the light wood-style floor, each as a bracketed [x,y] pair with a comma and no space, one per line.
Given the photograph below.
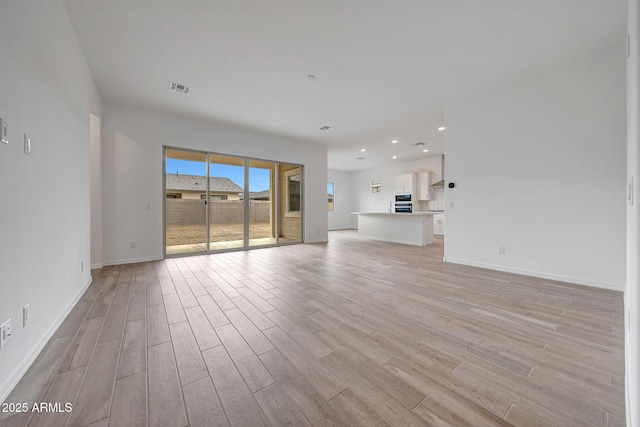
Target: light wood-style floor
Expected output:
[350,332]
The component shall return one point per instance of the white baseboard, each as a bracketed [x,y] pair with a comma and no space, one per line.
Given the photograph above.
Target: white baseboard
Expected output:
[310,241]
[541,275]
[31,356]
[132,261]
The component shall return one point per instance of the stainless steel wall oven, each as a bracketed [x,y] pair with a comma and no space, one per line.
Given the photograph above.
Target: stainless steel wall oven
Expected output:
[404,203]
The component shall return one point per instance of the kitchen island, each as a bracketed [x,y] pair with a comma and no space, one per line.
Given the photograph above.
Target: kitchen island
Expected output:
[414,228]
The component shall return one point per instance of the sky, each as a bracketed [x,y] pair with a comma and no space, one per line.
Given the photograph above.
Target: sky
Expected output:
[258,178]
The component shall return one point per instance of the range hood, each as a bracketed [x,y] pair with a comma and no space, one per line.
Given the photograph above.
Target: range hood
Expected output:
[440,183]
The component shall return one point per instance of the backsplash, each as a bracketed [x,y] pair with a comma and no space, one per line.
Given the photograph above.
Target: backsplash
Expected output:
[437,201]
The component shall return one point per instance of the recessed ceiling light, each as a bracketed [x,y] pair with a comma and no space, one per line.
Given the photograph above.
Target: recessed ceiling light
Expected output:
[395,141]
[441,128]
[424,151]
[325,128]
[363,150]
[394,157]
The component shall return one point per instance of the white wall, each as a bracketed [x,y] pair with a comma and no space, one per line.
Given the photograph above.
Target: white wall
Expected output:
[340,218]
[539,168]
[47,92]
[366,201]
[132,141]
[632,292]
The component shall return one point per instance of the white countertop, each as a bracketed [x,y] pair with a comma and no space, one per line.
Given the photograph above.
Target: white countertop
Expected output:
[396,214]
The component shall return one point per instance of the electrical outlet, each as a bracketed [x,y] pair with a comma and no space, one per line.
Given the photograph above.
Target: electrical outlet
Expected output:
[132,245]
[27,144]
[81,265]
[25,315]
[501,250]
[5,333]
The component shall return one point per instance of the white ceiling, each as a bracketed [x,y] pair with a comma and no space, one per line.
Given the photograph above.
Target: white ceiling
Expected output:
[385,69]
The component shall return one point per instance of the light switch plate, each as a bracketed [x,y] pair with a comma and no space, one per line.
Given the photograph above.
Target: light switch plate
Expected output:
[25,315]
[27,144]
[5,333]
[4,130]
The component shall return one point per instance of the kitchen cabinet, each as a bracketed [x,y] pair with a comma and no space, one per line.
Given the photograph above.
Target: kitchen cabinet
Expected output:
[405,183]
[424,185]
[438,224]
[406,228]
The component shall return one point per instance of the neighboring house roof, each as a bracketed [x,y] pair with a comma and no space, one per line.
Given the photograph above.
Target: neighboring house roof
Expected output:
[177,182]
[264,195]
[258,195]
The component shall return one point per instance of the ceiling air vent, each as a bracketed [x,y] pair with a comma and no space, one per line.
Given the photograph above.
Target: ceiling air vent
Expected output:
[360,158]
[418,144]
[180,88]
[325,128]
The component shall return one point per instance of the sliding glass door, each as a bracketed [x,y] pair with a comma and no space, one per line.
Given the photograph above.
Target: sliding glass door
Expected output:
[290,217]
[226,202]
[262,227]
[185,209]
[216,202]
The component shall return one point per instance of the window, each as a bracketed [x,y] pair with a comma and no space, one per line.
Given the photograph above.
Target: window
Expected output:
[375,186]
[330,190]
[293,192]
